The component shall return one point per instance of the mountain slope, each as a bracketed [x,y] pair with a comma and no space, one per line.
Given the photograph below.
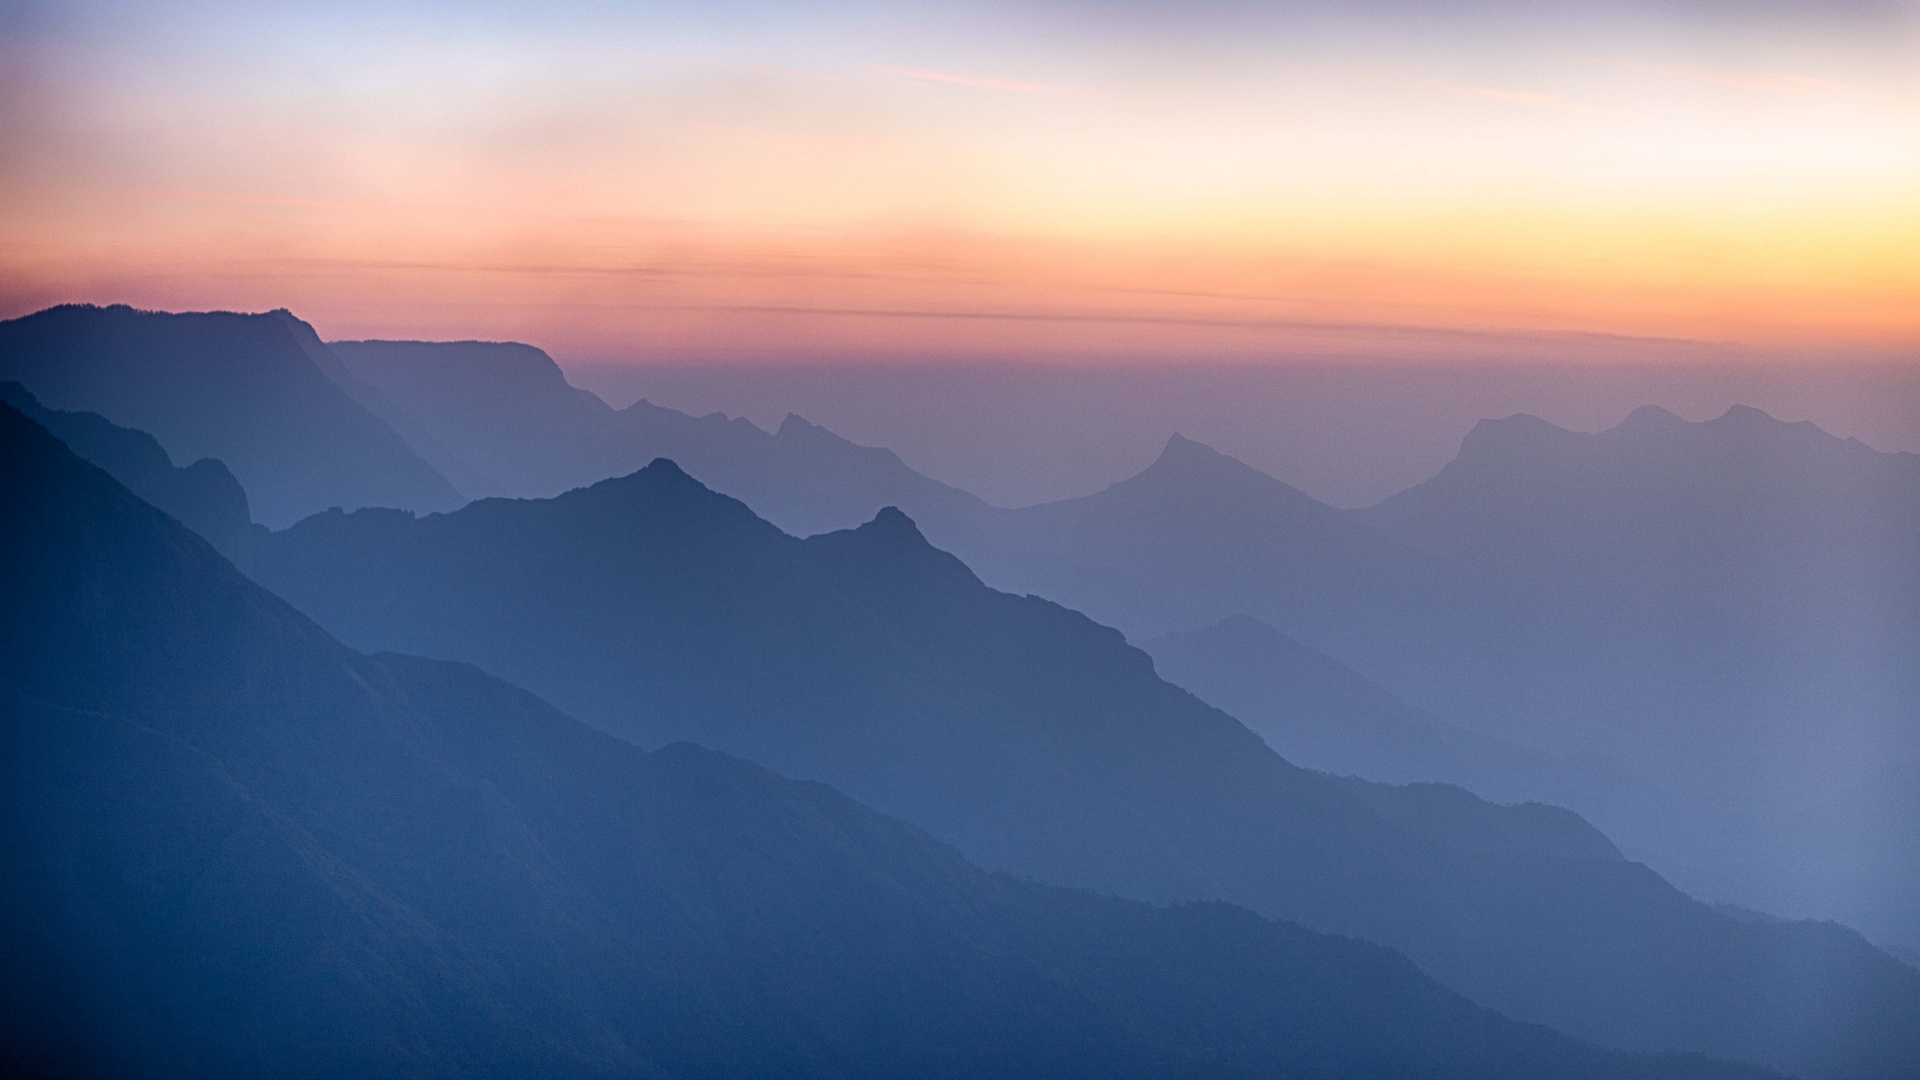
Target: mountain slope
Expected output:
[1322,714]
[236,848]
[203,496]
[234,387]
[1729,608]
[1039,742]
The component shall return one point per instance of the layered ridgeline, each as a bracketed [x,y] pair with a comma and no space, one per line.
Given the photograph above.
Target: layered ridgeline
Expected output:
[1729,608]
[203,496]
[234,847]
[505,414]
[239,388]
[1039,742]
[1706,623]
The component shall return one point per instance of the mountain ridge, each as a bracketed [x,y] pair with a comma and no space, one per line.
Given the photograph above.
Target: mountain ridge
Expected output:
[243,849]
[1039,742]
[236,387]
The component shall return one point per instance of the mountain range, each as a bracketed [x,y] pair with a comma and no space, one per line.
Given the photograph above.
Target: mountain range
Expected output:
[1698,635]
[1038,742]
[1729,609]
[203,496]
[236,848]
[506,412]
[239,388]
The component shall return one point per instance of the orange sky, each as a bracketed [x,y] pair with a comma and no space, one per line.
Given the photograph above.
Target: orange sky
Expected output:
[694,190]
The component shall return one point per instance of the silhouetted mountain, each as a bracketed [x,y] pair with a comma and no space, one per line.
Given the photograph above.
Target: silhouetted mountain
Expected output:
[1164,548]
[1729,608]
[239,388]
[1730,566]
[203,496]
[371,398]
[1321,714]
[1039,742]
[235,848]
[506,412]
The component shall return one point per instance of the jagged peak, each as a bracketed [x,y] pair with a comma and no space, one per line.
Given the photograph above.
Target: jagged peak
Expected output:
[795,424]
[1179,446]
[1182,455]
[892,521]
[662,473]
[892,540]
[1187,465]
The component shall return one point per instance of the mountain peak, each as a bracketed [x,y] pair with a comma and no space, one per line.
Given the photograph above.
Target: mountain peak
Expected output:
[1651,417]
[1748,416]
[795,424]
[666,468]
[891,549]
[1518,435]
[1185,457]
[661,478]
[1187,469]
[892,530]
[1179,446]
[891,520]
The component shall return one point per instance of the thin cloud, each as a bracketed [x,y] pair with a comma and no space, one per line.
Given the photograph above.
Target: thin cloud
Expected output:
[1002,85]
[1126,318]
[1530,99]
[791,73]
[1755,82]
[214,196]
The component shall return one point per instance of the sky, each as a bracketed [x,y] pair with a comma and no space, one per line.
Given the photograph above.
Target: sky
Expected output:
[1054,180]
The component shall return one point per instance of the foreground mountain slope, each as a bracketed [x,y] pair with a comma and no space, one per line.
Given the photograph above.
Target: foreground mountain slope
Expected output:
[508,413]
[1039,742]
[203,496]
[236,848]
[239,388]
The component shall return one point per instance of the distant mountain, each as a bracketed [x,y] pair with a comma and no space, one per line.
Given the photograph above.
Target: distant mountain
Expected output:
[1192,533]
[239,388]
[470,483]
[1039,742]
[506,413]
[1729,608]
[1321,714]
[235,848]
[203,496]
[1731,565]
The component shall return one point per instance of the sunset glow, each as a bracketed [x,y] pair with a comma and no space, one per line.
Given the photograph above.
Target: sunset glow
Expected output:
[1027,180]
